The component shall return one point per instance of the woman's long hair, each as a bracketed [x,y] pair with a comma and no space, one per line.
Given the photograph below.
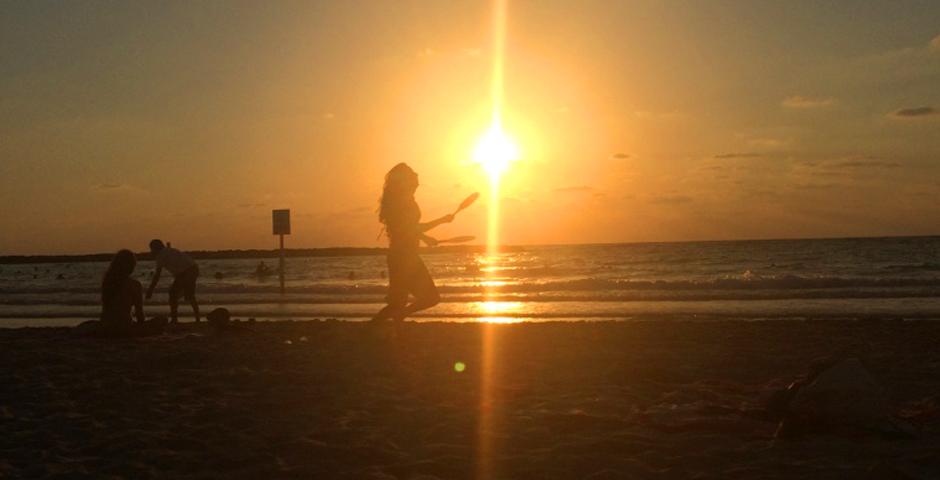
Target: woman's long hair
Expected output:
[122,265]
[398,191]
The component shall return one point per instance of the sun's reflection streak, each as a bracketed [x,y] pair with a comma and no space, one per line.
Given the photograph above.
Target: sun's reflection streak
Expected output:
[500,320]
[494,314]
[498,308]
[488,408]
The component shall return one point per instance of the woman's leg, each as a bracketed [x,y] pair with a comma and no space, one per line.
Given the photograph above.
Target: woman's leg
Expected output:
[386,312]
[175,292]
[422,287]
[397,297]
[189,290]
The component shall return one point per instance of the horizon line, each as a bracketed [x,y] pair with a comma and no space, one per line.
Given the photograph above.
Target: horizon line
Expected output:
[34,258]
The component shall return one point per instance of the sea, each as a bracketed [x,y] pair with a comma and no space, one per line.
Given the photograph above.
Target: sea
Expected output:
[886,278]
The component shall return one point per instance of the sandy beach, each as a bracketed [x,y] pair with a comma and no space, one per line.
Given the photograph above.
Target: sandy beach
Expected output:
[666,399]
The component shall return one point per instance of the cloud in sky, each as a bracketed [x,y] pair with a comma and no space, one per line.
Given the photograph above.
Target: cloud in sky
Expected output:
[915,112]
[621,155]
[840,168]
[738,155]
[865,163]
[805,103]
[671,199]
[770,143]
[116,188]
[575,189]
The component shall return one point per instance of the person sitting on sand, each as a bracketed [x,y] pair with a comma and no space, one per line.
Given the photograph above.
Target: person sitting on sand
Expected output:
[185,272]
[407,273]
[120,294]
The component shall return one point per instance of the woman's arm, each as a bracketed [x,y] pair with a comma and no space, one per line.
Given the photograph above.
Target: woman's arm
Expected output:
[429,241]
[153,282]
[423,227]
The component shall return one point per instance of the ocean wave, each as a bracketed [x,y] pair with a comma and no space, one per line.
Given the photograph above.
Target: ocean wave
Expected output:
[745,282]
[914,267]
[687,313]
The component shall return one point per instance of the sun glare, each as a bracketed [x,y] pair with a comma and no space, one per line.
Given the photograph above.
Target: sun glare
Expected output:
[495,151]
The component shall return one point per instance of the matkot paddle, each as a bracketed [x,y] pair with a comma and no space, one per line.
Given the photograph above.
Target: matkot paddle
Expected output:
[463,239]
[467,202]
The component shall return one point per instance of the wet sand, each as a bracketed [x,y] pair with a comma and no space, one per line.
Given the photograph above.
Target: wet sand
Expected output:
[669,399]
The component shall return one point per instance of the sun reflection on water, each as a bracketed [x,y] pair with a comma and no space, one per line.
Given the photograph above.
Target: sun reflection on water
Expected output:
[497,312]
[494,153]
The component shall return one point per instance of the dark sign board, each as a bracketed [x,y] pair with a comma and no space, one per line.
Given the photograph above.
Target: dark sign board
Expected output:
[281,221]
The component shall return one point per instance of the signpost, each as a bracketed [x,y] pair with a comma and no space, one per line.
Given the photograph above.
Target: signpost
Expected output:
[280,221]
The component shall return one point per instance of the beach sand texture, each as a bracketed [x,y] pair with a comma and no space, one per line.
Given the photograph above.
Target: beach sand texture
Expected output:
[344,400]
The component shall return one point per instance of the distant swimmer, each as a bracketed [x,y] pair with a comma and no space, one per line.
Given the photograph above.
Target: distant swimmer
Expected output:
[262,270]
[184,271]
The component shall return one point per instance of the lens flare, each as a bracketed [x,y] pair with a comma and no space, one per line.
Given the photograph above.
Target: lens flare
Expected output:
[495,151]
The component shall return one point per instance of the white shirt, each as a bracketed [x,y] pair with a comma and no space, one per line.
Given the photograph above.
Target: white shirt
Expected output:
[174,260]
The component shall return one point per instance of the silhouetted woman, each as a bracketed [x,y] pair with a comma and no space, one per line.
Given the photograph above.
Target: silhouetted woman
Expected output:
[407,274]
[120,294]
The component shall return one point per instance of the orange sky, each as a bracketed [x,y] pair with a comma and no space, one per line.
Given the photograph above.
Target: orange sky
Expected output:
[645,121]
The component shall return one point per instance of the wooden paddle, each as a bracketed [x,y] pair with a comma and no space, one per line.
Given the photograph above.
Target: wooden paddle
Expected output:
[465,238]
[467,202]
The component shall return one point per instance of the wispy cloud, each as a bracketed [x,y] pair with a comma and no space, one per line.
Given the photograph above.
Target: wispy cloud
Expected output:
[355,212]
[864,162]
[647,115]
[915,112]
[891,68]
[769,143]
[805,103]
[671,199]
[621,155]
[250,205]
[840,168]
[116,188]
[575,189]
[738,155]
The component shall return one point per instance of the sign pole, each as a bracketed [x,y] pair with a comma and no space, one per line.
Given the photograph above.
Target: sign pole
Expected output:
[281,266]
[280,221]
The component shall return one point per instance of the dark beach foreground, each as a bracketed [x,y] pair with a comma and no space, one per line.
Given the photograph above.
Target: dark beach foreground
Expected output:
[666,399]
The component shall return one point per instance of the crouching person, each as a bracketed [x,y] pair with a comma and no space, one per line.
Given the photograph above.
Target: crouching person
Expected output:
[184,271]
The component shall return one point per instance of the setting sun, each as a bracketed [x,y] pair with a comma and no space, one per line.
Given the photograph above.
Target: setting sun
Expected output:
[495,151]
[481,240]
